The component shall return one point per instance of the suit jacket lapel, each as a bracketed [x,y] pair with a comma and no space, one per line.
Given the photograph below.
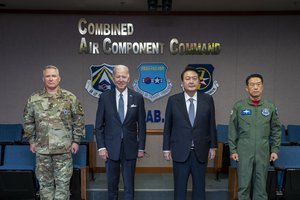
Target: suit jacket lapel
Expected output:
[130,98]
[182,106]
[198,109]
[114,104]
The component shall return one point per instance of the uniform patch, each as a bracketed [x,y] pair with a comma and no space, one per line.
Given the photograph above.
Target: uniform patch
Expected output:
[207,84]
[246,112]
[265,112]
[152,82]
[101,79]
[66,112]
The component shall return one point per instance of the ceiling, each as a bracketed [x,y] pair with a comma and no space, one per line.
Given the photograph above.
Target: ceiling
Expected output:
[142,5]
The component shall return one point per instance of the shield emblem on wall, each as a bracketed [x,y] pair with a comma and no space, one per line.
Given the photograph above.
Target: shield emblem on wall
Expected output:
[152,82]
[101,79]
[207,84]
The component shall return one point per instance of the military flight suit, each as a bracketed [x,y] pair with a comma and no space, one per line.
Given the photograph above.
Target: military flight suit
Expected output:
[53,123]
[254,131]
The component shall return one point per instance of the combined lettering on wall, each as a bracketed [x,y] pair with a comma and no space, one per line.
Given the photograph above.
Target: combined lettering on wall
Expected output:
[110,46]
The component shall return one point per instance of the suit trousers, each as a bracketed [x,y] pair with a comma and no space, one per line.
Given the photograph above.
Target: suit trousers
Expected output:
[113,170]
[182,171]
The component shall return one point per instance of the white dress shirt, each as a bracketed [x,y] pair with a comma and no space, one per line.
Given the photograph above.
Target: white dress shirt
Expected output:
[187,102]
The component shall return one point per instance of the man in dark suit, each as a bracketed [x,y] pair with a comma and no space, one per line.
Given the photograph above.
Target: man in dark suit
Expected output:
[121,132]
[189,135]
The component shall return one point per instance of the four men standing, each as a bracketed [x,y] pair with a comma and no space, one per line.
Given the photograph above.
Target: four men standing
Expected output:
[54,123]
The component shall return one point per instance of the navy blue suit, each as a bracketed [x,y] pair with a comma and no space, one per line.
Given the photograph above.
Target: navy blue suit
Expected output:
[178,137]
[122,140]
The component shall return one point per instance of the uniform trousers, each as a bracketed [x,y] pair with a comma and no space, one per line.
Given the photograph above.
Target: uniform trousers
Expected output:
[54,172]
[252,176]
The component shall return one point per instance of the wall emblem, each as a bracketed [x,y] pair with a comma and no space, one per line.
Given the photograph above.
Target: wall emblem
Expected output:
[101,79]
[152,82]
[207,84]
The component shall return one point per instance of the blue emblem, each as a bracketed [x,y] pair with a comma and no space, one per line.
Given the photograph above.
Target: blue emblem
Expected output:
[246,112]
[101,79]
[152,82]
[207,84]
[265,112]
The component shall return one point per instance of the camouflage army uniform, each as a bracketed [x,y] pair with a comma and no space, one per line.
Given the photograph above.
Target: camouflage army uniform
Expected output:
[53,123]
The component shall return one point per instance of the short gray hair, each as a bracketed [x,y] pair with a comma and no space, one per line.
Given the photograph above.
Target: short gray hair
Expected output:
[50,67]
[120,66]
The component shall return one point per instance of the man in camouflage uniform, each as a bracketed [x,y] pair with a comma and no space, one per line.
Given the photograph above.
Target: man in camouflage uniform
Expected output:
[53,125]
[254,139]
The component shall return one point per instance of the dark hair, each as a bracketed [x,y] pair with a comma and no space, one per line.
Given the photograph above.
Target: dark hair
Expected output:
[188,68]
[254,76]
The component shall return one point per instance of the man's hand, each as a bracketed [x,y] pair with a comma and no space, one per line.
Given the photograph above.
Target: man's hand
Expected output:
[211,154]
[235,156]
[103,154]
[273,156]
[32,148]
[141,154]
[74,148]
[167,156]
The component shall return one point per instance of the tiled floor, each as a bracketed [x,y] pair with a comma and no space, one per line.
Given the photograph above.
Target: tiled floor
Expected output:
[159,186]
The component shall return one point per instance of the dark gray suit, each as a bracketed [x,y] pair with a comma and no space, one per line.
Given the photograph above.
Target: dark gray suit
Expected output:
[178,137]
[121,151]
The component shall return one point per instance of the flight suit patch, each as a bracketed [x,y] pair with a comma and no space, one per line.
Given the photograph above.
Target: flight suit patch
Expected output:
[246,112]
[265,112]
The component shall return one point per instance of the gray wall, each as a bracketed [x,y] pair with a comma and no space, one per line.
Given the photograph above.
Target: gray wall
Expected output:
[269,45]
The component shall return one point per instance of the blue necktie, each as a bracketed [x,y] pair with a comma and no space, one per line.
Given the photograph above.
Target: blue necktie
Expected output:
[121,108]
[192,111]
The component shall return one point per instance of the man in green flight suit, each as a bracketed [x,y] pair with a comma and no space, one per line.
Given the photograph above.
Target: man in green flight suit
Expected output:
[254,139]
